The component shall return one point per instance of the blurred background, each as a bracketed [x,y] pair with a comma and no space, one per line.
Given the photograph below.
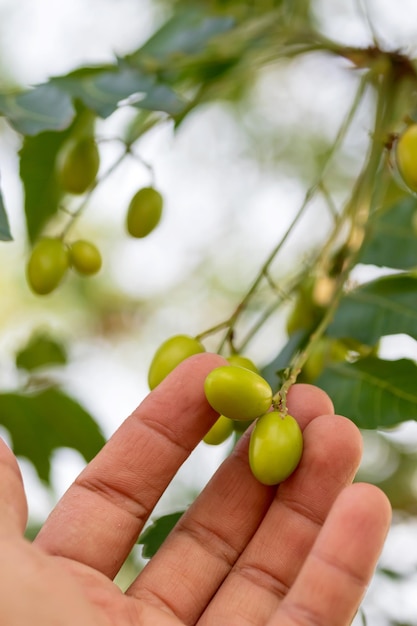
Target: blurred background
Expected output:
[233,177]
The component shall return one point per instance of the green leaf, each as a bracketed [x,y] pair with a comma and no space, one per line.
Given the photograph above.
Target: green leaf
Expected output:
[5,234]
[41,351]
[386,306]
[187,32]
[37,171]
[40,423]
[103,88]
[153,537]
[161,98]
[32,530]
[42,108]
[392,240]
[372,392]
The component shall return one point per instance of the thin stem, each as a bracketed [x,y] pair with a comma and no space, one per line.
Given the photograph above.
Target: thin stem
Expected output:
[317,185]
[213,329]
[282,297]
[364,11]
[329,201]
[359,208]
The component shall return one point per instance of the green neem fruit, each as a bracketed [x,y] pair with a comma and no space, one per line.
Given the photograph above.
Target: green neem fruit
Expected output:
[237,393]
[275,448]
[47,265]
[170,354]
[77,164]
[306,312]
[85,257]
[242,361]
[219,432]
[326,351]
[406,157]
[144,212]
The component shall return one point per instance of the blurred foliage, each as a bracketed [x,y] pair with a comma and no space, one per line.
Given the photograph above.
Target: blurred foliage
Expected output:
[41,351]
[234,55]
[217,51]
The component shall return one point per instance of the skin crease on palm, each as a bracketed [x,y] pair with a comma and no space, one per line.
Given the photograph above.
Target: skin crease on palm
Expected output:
[244,554]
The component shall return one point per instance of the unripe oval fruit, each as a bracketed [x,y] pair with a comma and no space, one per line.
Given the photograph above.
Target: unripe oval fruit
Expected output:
[406,157]
[47,265]
[242,361]
[144,212]
[306,312]
[85,257]
[170,354]
[219,432]
[275,448]
[77,164]
[237,393]
[325,352]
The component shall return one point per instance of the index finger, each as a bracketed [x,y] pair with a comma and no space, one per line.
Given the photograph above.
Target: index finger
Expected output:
[101,515]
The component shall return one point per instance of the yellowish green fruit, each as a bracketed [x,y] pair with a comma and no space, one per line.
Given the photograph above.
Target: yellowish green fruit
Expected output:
[47,265]
[325,351]
[275,448]
[306,311]
[237,393]
[242,361]
[85,257]
[77,164]
[170,354]
[219,432]
[144,212]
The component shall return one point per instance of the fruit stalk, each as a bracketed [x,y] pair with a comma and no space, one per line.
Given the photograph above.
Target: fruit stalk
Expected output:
[358,209]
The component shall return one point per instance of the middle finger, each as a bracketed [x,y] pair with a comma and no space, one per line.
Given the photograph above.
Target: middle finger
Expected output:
[187,571]
[270,564]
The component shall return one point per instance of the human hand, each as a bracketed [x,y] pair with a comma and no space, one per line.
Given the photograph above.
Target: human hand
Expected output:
[242,554]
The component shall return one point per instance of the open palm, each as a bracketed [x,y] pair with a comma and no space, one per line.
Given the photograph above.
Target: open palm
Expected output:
[243,554]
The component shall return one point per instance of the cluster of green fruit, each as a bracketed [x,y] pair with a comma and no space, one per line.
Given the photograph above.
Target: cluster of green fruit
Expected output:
[77,164]
[52,257]
[239,394]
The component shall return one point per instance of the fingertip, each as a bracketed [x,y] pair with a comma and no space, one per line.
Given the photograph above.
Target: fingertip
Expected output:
[336,444]
[306,402]
[376,502]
